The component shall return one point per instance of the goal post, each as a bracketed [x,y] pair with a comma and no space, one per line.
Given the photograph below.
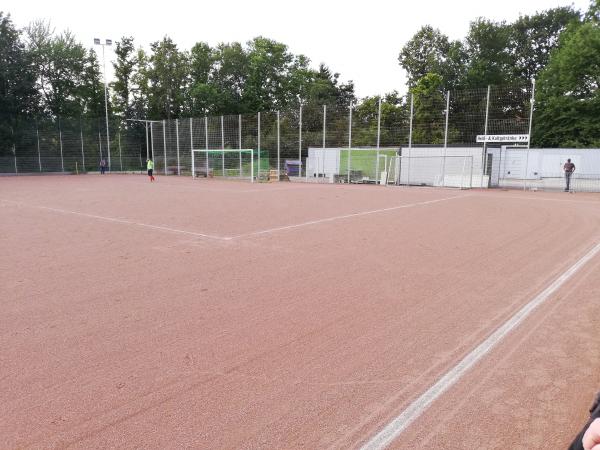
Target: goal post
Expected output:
[441,171]
[223,163]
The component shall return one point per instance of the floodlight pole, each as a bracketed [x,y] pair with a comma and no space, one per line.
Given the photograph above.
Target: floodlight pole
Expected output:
[109,43]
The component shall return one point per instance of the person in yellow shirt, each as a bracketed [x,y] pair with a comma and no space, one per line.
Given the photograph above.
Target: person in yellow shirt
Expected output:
[150,167]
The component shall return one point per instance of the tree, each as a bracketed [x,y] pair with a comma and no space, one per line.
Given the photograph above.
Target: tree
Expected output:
[229,74]
[168,79]
[394,121]
[18,96]
[140,88]
[431,51]
[17,79]
[490,60]
[124,66]
[203,95]
[532,39]
[60,62]
[568,98]
[429,108]
[91,92]
[593,12]
[324,88]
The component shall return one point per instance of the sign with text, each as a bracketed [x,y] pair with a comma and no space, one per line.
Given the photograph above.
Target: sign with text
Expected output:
[502,138]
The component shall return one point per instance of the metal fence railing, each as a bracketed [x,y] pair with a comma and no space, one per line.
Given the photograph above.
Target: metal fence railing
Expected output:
[281,139]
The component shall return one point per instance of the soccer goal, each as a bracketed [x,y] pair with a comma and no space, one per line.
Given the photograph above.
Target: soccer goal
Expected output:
[441,171]
[225,163]
[349,165]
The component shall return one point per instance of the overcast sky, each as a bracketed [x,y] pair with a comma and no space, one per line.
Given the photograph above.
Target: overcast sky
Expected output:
[359,39]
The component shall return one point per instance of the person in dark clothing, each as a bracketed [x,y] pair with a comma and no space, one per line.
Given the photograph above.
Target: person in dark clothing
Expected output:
[589,437]
[102,166]
[569,168]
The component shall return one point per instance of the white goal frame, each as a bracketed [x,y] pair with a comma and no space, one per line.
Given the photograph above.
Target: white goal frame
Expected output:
[443,178]
[222,152]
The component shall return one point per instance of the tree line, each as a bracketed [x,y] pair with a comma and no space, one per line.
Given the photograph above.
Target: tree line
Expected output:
[44,73]
[559,48]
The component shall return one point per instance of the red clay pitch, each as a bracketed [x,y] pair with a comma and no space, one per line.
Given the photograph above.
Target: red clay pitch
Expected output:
[211,314]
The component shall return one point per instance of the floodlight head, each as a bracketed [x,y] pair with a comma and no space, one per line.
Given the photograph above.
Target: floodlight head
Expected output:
[96,41]
[109,42]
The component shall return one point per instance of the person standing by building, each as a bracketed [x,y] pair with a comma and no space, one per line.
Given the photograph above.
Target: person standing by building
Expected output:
[150,167]
[569,168]
[102,166]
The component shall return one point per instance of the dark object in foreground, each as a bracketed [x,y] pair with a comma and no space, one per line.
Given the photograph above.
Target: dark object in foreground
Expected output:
[594,414]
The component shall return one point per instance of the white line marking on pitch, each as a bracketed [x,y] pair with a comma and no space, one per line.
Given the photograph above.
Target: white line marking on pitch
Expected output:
[392,430]
[123,221]
[229,238]
[346,216]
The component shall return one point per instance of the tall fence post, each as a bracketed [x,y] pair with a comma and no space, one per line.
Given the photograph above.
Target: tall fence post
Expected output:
[14,149]
[324,125]
[410,132]
[532,104]
[349,141]
[192,148]
[81,138]
[485,132]
[445,139]
[278,150]
[37,133]
[120,153]
[165,143]
[100,145]
[147,145]
[240,140]
[300,142]
[177,143]
[152,140]
[324,144]
[258,149]
[377,175]
[206,143]
[62,161]
[222,148]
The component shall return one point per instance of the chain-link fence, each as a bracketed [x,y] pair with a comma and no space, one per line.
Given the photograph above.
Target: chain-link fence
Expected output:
[288,143]
[72,146]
